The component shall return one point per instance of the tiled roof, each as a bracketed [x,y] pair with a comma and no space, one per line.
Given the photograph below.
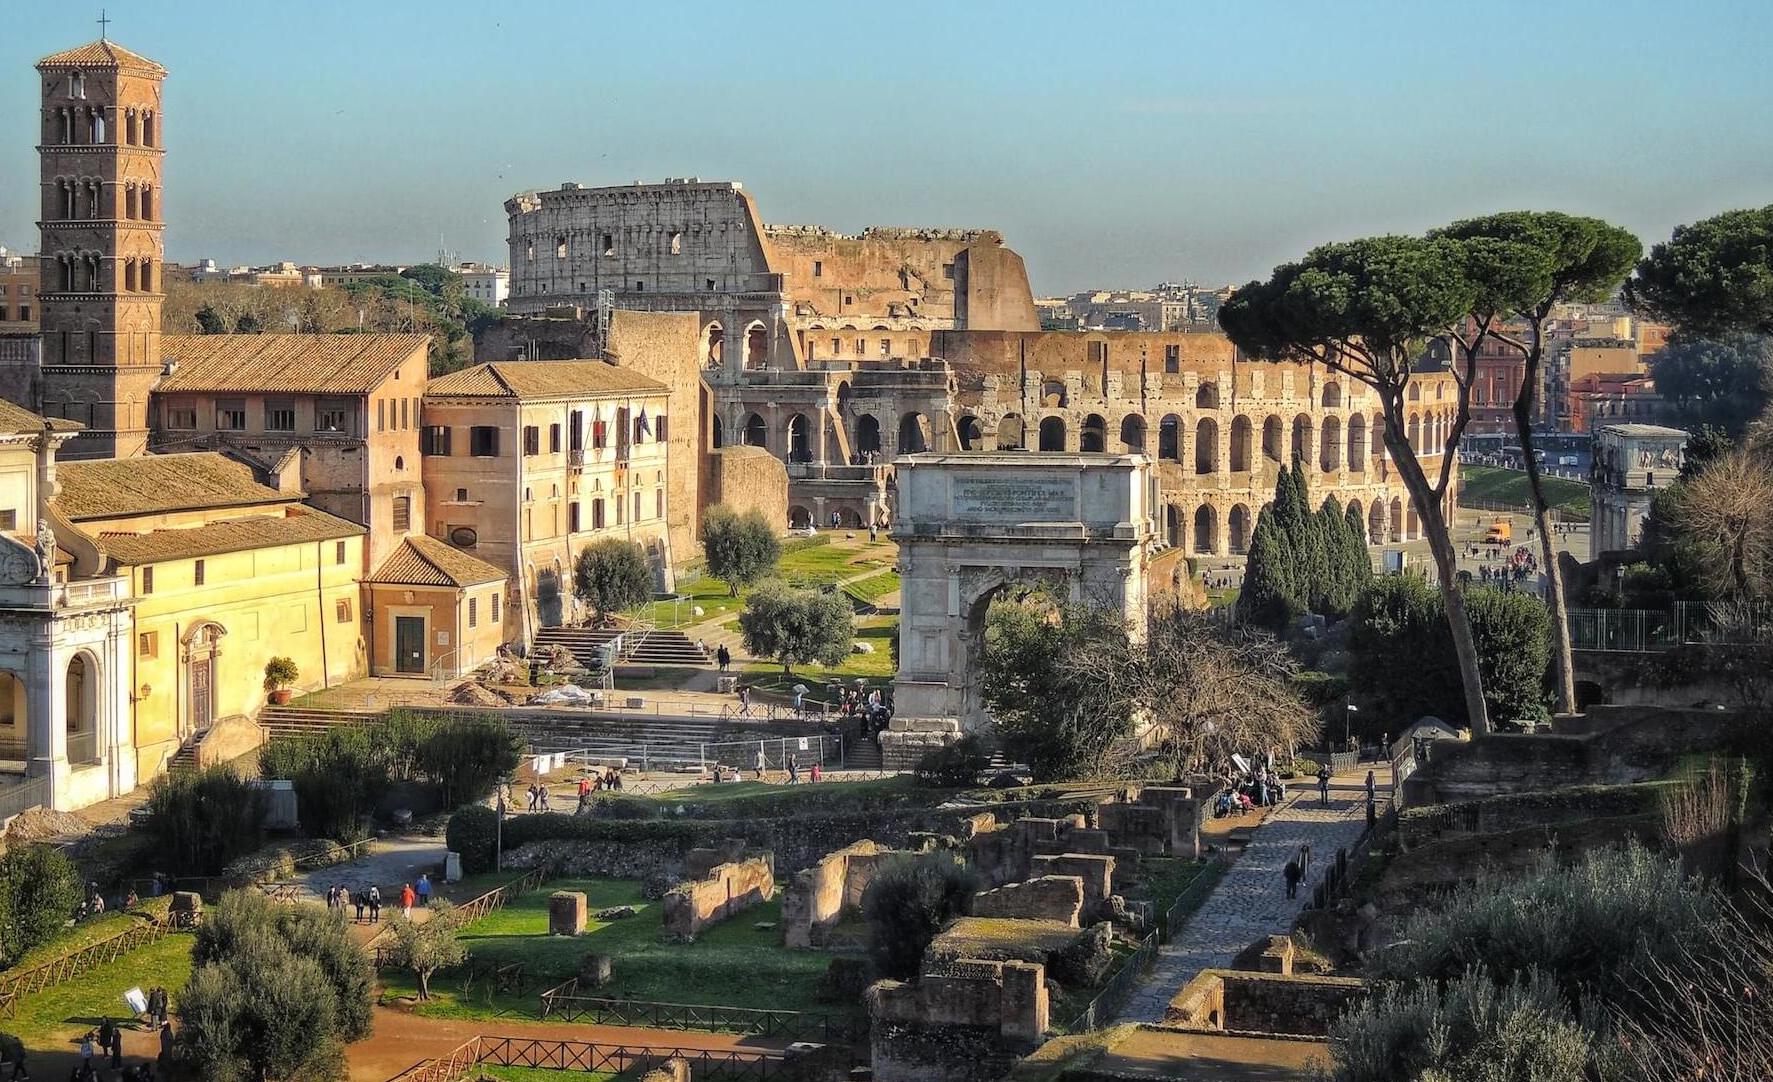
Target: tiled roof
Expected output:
[543,379]
[116,487]
[101,54]
[426,561]
[300,524]
[289,363]
[15,418]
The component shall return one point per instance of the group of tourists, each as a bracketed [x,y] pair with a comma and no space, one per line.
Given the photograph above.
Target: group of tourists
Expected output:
[103,1047]
[369,899]
[1245,791]
[594,782]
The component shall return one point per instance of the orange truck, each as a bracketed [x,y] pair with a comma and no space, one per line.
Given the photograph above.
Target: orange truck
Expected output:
[1501,532]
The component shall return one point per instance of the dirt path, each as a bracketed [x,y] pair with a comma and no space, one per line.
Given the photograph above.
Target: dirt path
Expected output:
[400,1039]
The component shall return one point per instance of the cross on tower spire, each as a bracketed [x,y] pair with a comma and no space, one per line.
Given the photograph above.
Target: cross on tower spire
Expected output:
[103,21]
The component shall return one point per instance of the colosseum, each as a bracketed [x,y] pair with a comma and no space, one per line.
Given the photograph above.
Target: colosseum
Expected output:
[848,350]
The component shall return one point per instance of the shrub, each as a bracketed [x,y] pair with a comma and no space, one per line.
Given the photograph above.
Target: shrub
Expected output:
[1473,1029]
[907,903]
[277,991]
[201,820]
[466,756]
[337,774]
[955,765]
[39,890]
[612,575]
[472,834]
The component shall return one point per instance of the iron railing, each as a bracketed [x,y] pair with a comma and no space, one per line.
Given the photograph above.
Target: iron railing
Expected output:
[1102,1008]
[736,1065]
[563,1002]
[1685,623]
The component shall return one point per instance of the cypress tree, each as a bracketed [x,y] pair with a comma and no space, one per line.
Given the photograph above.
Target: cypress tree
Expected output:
[1360,563]
[1266,597]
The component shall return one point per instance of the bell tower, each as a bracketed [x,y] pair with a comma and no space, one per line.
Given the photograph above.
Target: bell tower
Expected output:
[101,265]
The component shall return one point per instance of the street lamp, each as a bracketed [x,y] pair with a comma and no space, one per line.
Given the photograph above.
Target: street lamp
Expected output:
[1348,712]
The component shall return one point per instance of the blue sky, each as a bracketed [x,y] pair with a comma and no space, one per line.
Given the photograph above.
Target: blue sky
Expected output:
[1113,144]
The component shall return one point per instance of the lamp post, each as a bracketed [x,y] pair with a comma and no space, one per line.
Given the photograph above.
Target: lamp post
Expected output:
[499,834]
[1348,712]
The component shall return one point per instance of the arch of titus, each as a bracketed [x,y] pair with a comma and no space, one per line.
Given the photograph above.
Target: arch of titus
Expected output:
[970,524]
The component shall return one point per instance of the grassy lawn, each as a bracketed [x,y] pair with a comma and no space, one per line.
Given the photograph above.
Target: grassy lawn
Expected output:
[879,631]
[56,1015]
[91,931]
[1494,486]
[806,565]
[875,586]
[733,963]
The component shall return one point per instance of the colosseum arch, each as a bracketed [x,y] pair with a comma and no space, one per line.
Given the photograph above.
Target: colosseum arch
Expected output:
[1240,444]
[1412,523]
[1169,438]
[1206,446]
[1010,435]
[1132,434]
[757,345]
[1357,442]
[1207,396]
[1173,525]
[1094,434]
[868,433]
[1332,397]
[1395,521]
[972,435]
[1206,530]
[1052,394]
[1302,438]
[1376,522]
[914,433]
[757,433]
[1274,439]
[712,339]
[1237,529]
[800,439]
[1052,433]
[1330,453]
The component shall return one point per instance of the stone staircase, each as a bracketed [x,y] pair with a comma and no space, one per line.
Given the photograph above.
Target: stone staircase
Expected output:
[645,646]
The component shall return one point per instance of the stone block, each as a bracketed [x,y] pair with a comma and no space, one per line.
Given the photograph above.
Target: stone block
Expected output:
[566,913]
[595,970]
[1024,1008]
[1095,870]
[452,867]
[1051,897]
[1277,957]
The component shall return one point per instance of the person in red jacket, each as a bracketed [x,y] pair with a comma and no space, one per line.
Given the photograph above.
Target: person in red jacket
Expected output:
[407,898]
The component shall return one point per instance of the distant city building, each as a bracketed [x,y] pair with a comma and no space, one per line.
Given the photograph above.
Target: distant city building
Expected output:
[18,293]
[1632,462]
[1167,306]
[1611,398]
[488,285]
[358,272]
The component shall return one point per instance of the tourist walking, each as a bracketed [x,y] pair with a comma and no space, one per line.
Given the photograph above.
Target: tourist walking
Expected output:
[585,791]
[424,891]
[744,700]
[360,899]
[723,657]
[1372,786]
[1293,873]
[1323,785]
[116,1048]
[16,1057]
[762,762]
[165,1046]
[375,904]
[407,897]
[793,770]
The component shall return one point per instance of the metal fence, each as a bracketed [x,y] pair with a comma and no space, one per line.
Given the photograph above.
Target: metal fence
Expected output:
[826,749]
[1686,623]
[565,1003]
[737,1065]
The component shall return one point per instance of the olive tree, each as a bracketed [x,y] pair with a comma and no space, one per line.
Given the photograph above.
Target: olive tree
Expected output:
[612,575]
[1575,259]
[797,627]
[741,548]
[1366,309]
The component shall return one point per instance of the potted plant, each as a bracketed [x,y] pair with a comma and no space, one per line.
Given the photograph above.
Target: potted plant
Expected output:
[280,672]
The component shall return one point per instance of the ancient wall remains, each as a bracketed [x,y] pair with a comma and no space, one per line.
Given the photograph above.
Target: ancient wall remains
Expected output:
[956,1022]
[818,897]
[727,889]
[744,478]
[1052,897]
[1230,1000]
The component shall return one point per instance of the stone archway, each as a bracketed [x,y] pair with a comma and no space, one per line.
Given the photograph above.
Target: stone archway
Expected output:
[968,527]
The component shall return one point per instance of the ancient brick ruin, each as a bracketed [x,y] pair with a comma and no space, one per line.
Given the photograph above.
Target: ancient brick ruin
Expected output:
[725,889]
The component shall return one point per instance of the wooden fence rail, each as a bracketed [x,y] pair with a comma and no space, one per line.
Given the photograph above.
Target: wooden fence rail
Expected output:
[381,948]
[736,1065]
[24,982]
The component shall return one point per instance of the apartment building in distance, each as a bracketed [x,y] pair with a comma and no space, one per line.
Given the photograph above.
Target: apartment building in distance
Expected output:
[18,293]
[527,462]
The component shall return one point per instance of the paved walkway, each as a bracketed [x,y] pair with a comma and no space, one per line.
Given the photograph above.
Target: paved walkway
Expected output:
[1251,902]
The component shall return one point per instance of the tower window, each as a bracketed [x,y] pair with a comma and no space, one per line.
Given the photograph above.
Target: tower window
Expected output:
[710,285]
[147,129]
[609,244]
[818,268]
[402,514]
[147,202]
[77,85]
[676,242]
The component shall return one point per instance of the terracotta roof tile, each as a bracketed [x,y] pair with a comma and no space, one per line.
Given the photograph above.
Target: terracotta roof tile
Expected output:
[425,561]
[543,379]
[101,54]
[300,524]
[14,418]
[289,363]
[118,487]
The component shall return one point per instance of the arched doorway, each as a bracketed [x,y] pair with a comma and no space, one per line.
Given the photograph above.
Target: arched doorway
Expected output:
[1240,444]
[202,653]
[1412,524]
[1395,521]
[757,434]
[1206,530]
[549,601]
[1376,523]
[868,434]
[799,518]
[1010,435]
[1273,439]
[1357,442]
[712,342]
[972,437]
[15,718]
[1237,529]
[1301,438]
[1330,451]
[1207,397]
[913,434]
[757,346]
[1332,395]
[1206,446]
[1169,438]
[800,447]
[1173,525]
[1132,434]
[1052,434]
[719,439]
[82,706]
[1093,436]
